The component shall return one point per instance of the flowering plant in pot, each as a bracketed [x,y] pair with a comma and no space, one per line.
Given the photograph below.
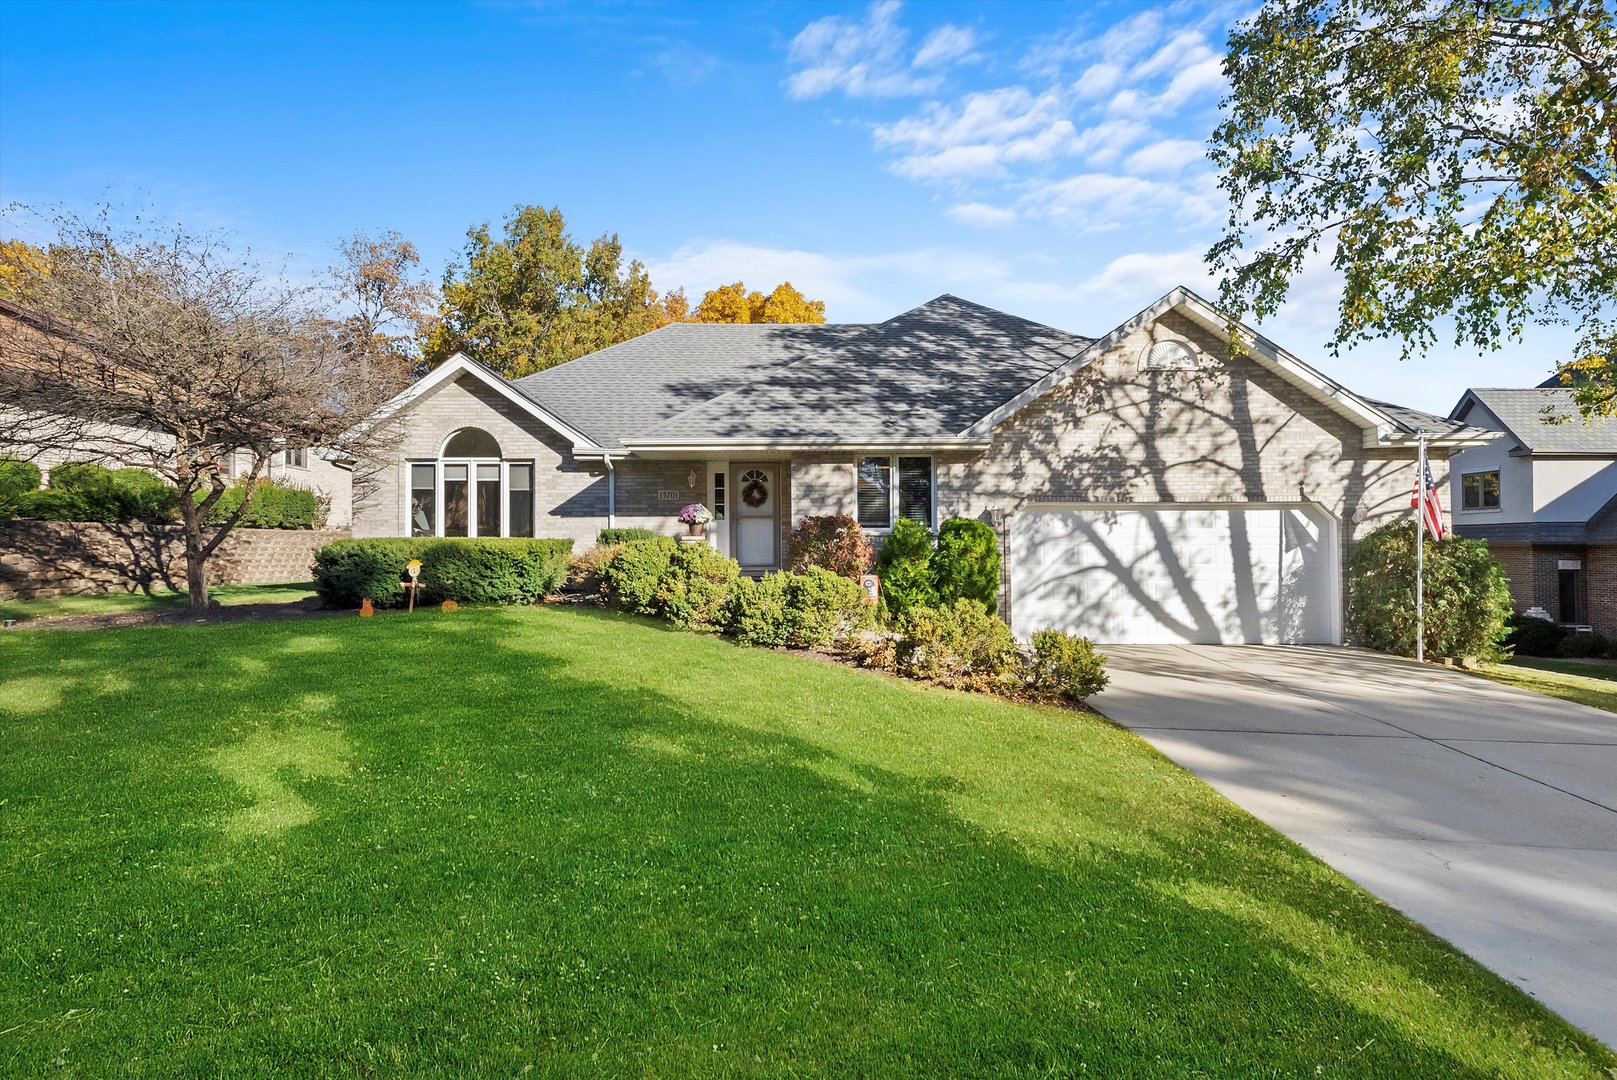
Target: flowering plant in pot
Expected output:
[695,517]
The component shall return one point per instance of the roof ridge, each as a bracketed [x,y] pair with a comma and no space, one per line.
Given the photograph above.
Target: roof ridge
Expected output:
[1077,344]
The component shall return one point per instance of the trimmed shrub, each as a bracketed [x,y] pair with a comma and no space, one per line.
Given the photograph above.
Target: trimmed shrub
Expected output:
[1582,647]
[966,563]
[613,537]
[1065,666]
[493,570]
[17,477]
[634,577]
[961,646]
[905,566]
[274,506]
[823,609]
[489,570]
[348,571]
[116,495]
[834,542]
[695,592]
[48,505]
[1467,595]
[757,613]
[1532,636]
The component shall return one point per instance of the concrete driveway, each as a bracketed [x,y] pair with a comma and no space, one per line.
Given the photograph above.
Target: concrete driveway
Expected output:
[1486,813]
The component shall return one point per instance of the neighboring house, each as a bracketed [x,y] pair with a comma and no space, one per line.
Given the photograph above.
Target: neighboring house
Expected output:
[1146,487]
[1544,497]
[328,474]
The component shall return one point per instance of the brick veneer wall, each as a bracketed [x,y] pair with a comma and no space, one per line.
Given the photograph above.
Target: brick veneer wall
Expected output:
[1600,577]
[41,559]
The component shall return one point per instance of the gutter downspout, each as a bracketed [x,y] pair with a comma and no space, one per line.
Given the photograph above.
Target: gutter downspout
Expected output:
[611,492]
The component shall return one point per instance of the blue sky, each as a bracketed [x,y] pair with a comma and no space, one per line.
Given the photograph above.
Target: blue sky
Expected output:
[1042,158]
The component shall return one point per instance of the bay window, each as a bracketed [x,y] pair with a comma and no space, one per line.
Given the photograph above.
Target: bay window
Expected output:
[891,487]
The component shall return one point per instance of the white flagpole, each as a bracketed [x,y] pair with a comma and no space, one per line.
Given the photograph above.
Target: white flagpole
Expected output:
[1420,551]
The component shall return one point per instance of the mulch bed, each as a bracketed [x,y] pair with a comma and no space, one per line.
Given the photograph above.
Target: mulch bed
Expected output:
[311,607]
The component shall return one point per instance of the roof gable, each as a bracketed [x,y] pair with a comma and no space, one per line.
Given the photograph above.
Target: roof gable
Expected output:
[1380,422]
[1542,420]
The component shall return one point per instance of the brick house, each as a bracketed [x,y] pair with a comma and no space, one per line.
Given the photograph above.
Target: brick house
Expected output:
[1145,485]
[1544,497]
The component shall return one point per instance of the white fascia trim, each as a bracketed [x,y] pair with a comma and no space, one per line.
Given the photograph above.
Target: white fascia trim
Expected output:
[460,364]
[724,446]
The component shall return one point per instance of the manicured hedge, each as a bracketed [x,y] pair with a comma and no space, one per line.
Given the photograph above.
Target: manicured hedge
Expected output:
[274,506]
[961,644]
[488,571]
[622,536]
[905,568]
[117,495]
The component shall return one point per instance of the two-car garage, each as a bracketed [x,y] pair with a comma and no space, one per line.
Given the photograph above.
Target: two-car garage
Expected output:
[1259,573]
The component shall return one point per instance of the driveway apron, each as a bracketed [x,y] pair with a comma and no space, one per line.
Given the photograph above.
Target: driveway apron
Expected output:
[1486,813]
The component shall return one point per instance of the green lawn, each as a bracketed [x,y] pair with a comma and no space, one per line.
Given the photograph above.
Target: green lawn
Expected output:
[158,600]
[574,843]
[1589,683]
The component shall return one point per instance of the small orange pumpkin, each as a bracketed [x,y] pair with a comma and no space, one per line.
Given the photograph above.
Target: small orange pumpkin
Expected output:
[450,605]
[366,608]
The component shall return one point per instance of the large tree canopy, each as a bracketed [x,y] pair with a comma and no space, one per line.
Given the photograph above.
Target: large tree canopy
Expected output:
[536,298]
[734,304]
[1457,158]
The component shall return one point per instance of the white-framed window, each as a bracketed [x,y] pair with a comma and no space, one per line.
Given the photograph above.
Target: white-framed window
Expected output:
[1169,356]
[891,486]
[471,490]
[1480,491]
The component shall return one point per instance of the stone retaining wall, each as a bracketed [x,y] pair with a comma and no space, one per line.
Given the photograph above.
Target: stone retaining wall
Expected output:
[60,558]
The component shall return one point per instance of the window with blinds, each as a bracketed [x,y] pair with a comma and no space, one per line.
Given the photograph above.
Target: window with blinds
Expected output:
[891,488]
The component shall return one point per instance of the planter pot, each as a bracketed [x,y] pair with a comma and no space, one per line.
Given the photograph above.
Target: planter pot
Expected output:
[697,530]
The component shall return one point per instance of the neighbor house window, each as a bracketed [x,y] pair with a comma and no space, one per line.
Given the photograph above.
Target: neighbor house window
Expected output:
[471,490]
[893,487]
[1479,491]
[298,459]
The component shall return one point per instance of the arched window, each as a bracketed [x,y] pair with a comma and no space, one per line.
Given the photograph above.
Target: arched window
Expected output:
[471,490]
[471,442]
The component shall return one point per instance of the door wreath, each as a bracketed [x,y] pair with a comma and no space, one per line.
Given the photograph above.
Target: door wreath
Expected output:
[754,488]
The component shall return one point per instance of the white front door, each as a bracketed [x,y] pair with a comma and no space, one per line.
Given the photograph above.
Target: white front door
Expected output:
[1254,573]
[752,506]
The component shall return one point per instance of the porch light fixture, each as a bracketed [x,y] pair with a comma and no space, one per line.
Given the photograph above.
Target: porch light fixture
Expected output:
[690,479]
[996,516]
[1360,512]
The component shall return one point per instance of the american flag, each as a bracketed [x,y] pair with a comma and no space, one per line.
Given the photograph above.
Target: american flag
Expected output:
[1424,498]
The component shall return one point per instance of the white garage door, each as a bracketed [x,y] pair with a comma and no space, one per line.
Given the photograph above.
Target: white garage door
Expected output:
[1165,574]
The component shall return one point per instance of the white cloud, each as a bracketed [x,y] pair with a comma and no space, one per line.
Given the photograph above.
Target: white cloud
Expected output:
[980,135]
[1139,278]
[981,215]
[1096,202]
[1098,79]
[869,57]
[948,44]
[1165,157]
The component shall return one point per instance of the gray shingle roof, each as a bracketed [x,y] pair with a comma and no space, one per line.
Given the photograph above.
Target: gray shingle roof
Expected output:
[931,372]
[1521,413]
[1414,420]
[628,388]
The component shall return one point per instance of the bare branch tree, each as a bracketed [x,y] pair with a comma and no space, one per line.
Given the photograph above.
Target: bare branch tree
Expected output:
[170,352]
